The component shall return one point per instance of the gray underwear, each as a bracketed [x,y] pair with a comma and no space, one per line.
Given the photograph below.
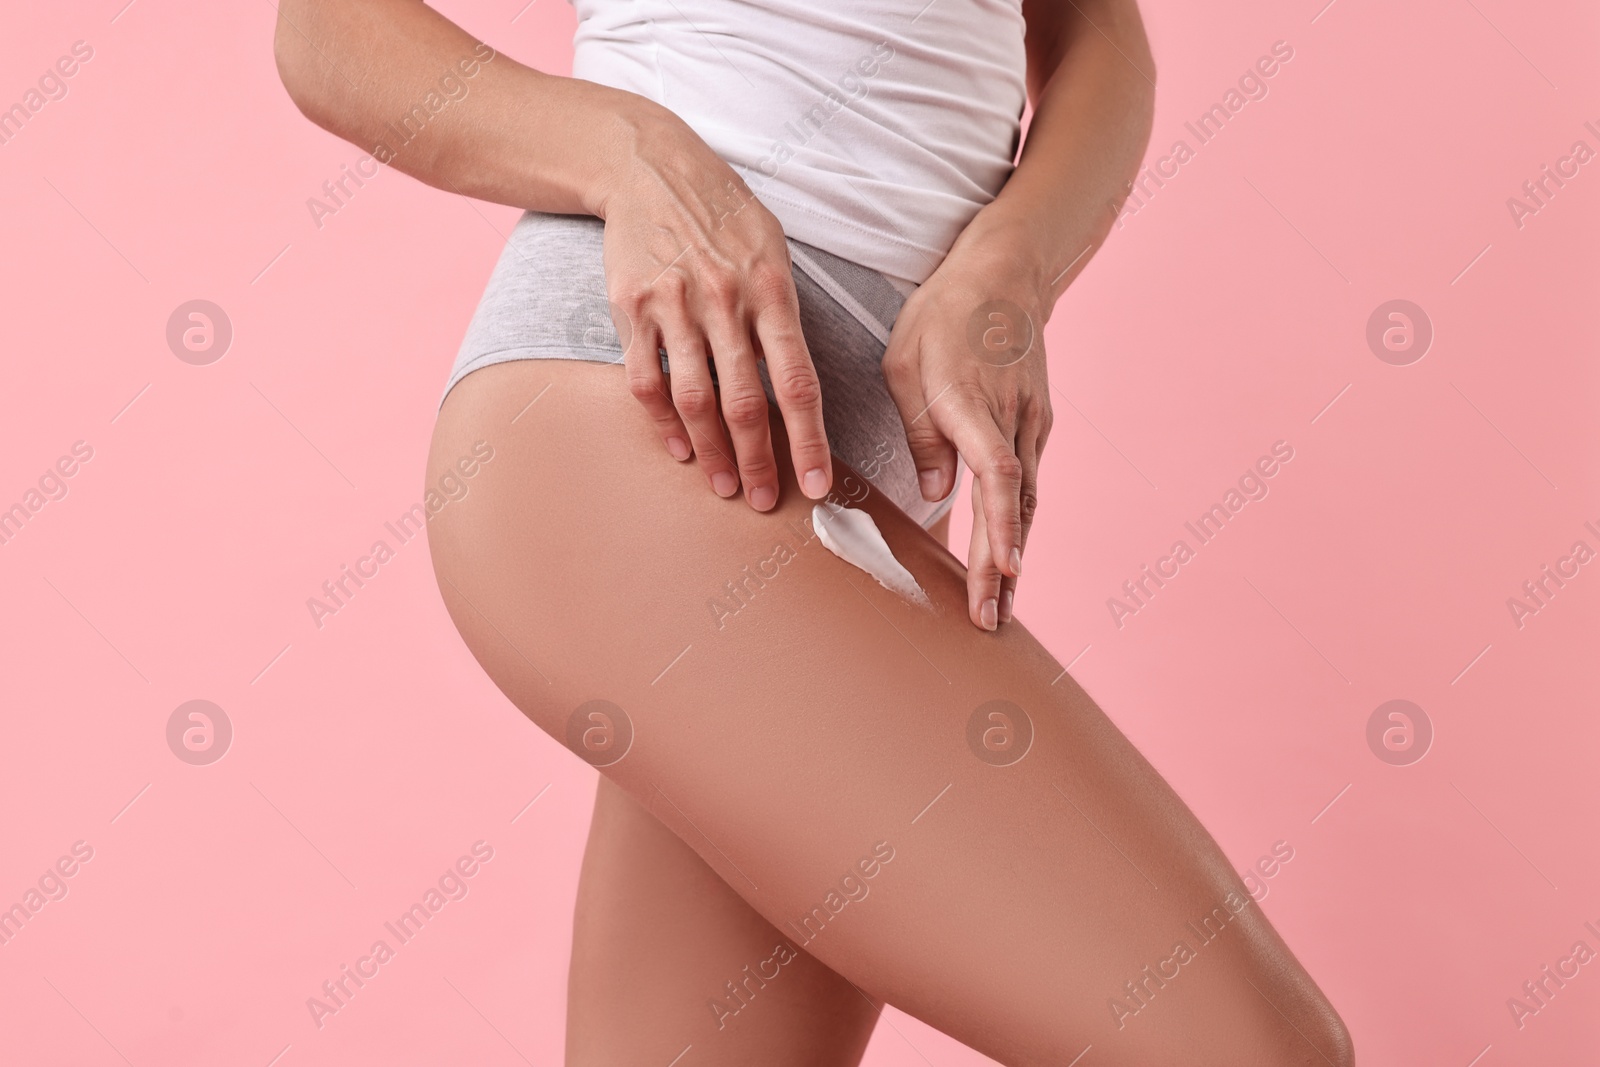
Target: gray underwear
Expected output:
[547,300]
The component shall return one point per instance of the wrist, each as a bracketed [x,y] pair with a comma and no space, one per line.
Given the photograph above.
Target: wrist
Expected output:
[618,127]
[627,130]
[1005,252]
[652,153]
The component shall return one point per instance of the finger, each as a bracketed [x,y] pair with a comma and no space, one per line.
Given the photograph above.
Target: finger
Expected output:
[695,397]
[1028,446]
[794,383]
[983,577]
[931,452]
[648,386]
[744,409]
[995,466]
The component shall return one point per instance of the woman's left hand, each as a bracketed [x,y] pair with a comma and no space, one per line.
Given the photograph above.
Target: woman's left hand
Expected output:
[966,368]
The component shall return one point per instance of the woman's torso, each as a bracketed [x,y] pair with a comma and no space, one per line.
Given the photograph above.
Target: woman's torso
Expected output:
[874,129]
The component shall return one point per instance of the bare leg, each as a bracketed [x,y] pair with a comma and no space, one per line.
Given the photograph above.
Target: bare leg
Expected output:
[812,746]
[658,940]
[667,956]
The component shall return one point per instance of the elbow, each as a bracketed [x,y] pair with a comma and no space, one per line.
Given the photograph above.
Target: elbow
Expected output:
[1122,23]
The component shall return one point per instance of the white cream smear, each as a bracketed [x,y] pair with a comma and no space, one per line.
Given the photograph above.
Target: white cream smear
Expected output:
[850,534]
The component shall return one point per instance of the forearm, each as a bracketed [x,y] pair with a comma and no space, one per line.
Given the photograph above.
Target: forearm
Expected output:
[1094,93]
[402,82]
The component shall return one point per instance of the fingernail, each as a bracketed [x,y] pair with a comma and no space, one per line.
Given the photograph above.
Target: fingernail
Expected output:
[816,483]
[1016,561]
[987,613]
[678,447]
[1006,596]
[932,482]
[763,498]
[724,483]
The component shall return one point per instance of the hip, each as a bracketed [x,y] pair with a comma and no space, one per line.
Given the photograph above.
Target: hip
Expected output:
[546,299]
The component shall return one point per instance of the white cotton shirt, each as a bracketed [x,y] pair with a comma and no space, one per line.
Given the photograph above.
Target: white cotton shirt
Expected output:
[872,129]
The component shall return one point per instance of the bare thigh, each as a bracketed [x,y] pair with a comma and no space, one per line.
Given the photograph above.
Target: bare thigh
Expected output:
[821,745]
[666,957]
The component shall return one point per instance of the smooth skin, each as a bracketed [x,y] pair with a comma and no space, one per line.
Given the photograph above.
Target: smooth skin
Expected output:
[825,717]
[1021,898]
[658,935]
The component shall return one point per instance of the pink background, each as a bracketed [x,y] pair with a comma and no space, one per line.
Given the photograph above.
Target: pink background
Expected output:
[1224,316]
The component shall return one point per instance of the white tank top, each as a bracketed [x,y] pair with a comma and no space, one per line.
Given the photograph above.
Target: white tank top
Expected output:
[872,129]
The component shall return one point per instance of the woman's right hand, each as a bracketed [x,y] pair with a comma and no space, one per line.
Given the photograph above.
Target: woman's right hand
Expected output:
[696,265]
[693,262]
